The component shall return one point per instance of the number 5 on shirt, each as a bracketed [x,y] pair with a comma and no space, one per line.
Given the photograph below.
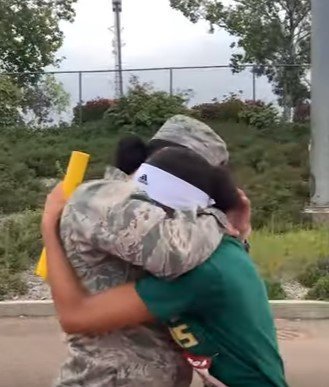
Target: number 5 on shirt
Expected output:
[182,337]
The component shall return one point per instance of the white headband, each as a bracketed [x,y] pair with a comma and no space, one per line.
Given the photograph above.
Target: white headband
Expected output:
[170,190]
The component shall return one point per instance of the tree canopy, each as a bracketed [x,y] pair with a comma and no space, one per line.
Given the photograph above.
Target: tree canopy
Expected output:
[30,33]
[30,38]
[267,33]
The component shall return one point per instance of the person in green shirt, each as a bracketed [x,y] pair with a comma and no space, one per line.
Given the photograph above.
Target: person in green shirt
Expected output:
[220,313]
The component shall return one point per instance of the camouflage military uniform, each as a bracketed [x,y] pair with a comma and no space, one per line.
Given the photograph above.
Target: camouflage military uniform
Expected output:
[112,233]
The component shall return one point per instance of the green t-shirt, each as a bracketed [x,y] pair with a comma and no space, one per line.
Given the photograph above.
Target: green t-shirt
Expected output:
[221,310]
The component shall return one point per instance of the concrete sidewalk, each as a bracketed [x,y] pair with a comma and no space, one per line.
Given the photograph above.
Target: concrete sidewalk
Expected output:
[31,352]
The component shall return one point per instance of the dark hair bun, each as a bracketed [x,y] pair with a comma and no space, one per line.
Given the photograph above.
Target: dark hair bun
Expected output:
[130,154]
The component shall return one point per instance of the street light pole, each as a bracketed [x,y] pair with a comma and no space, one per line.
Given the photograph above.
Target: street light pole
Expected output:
[319,150]
[117,9]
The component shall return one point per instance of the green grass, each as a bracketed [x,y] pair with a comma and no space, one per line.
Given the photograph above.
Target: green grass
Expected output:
[284,256]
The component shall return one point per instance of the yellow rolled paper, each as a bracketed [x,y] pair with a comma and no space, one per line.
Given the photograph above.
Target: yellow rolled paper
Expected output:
[75,174]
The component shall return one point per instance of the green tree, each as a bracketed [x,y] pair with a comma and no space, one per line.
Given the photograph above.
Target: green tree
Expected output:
[267,33]
[31,34]
[10,98]
[45,101]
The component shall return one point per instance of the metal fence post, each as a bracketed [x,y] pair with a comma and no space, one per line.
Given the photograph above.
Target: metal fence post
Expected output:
[171,81]
[80,98]
[254,84]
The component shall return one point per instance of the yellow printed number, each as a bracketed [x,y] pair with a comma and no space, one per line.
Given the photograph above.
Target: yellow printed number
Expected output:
[182,337]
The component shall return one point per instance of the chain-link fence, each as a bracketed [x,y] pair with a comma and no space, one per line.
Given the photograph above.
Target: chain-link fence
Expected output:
[204,83]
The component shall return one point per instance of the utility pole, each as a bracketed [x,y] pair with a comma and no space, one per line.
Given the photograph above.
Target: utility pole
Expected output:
[117,9]
[319,149]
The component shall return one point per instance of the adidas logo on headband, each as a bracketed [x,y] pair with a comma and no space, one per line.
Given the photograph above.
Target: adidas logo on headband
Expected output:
[143,179]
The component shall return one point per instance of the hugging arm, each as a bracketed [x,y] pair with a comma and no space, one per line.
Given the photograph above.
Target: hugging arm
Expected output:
[127,305]
[142,234]
[79,311]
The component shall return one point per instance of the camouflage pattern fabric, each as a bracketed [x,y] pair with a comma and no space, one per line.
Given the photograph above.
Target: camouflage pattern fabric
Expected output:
[195,135]
[112,233]
[116,218]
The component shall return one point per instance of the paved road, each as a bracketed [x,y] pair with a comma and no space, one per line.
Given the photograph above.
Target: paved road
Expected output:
[31,351]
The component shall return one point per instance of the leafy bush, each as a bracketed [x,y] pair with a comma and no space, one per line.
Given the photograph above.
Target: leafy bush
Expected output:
[144,109]
[320,291]
[271,164]
[19,188]
[20,245]
[208,111]
[275,290]
[227,110]
[28,157]
[313,272]
[259,115]
[10,100]
[92,110]
[302,112]
[276,180]
[253,113]
[11,283]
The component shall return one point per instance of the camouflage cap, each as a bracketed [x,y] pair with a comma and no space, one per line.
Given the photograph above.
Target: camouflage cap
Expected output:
[195,135]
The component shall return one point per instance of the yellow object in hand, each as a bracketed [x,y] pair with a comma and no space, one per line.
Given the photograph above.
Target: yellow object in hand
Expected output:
[75,174]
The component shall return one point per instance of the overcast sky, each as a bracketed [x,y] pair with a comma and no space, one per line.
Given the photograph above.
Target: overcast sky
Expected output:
[154,36]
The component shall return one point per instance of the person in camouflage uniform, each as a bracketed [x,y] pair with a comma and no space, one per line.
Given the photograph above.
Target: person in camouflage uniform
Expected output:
[112,233]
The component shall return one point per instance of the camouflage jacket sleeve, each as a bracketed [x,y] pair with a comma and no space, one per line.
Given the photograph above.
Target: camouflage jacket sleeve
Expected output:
[117,222]
[165,246]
